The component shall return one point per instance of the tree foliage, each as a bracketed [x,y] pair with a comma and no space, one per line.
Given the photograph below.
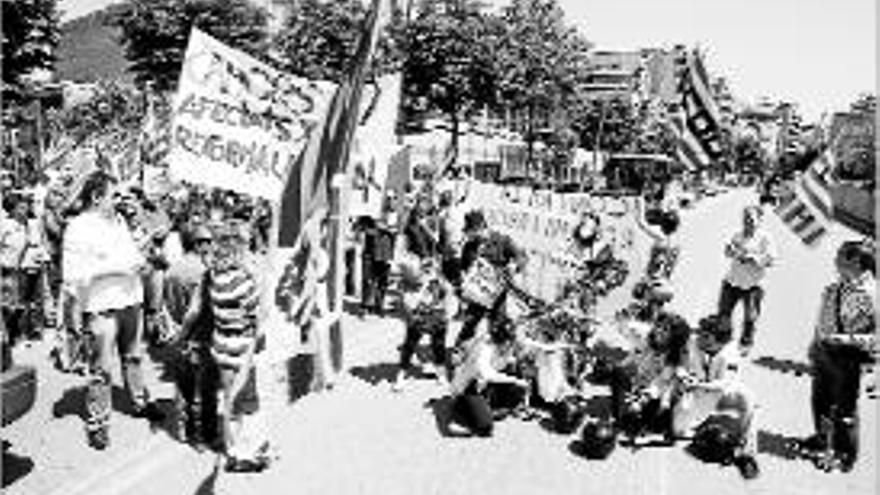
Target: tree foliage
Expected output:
[749,157]
[608,124]
[30,35]
[112,107]
[449,67]
[540,58]
[320,37]
[155,33]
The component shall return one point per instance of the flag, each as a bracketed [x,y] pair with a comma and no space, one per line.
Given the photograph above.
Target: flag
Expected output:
[306,188]
[306,191]
[806,205]
[155,137]
[696,121]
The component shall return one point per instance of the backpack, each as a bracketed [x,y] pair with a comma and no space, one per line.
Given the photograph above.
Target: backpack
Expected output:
[717,438]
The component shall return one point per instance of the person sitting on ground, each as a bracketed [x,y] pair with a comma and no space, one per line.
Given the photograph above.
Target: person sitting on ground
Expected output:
[710,385]
[480,386]
[642,384]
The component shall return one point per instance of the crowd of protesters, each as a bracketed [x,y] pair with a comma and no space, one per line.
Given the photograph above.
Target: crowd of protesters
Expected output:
[669,378]
[102,268]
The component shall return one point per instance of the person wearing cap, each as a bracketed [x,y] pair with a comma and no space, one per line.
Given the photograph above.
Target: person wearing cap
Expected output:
[196,372]
[751,252]
[845,339]
[102,265]
[710,383]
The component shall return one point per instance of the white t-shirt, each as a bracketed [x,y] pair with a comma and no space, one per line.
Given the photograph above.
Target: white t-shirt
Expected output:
[759,247]
[101,259]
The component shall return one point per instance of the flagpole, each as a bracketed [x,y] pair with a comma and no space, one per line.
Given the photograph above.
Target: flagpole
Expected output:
[338,194]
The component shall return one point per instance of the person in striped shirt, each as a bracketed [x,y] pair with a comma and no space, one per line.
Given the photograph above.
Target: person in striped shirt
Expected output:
[232,290]
[845,339]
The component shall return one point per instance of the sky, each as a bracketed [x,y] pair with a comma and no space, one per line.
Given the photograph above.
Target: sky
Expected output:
[820,54]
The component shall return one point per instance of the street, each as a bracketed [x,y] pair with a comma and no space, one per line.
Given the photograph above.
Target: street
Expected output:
[362,438]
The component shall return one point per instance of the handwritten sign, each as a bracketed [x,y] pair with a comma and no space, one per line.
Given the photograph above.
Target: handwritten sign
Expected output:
[237,123]
[543,224]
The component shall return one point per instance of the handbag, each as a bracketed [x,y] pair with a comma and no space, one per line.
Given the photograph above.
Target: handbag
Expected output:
[482,283]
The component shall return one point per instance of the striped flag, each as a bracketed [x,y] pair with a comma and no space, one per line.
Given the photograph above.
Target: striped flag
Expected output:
[697,121]
[306,192]
[327,150]
[806,205]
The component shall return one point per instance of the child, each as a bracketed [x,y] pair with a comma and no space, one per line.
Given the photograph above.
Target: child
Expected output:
[425,310]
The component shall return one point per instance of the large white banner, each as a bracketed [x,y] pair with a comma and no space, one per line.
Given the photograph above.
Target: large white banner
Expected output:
[543,223]
[237,123]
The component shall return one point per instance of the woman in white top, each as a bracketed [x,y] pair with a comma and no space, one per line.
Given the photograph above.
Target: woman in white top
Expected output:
[102,264]
[480,382]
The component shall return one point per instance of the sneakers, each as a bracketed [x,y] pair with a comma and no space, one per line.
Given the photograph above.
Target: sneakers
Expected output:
[247,465]
[150,412]
[812,443]
[748,467]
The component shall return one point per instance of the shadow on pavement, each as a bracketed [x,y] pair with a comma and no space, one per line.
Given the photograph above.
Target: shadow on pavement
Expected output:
[783,365]
[73,402]
[206,487]
[444,416]
[300,373]
[15,466]
[778,445]
[375,374]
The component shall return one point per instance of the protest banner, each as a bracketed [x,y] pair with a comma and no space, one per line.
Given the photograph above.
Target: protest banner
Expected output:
[543,224]
[237,123]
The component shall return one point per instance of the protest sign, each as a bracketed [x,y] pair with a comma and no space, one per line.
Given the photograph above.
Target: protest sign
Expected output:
[237,123]
[543,224]
[375,143]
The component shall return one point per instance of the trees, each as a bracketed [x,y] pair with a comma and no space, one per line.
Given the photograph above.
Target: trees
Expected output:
[608,124]
[30,35]
[856,144]
[540,60]
[749,158]
[155,33]
[319,39]
[449,66]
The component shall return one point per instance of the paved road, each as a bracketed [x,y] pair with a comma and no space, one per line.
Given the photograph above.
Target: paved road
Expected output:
[363,439]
